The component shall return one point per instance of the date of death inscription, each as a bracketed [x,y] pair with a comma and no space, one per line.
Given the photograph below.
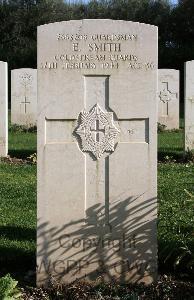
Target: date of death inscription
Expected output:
[98,51]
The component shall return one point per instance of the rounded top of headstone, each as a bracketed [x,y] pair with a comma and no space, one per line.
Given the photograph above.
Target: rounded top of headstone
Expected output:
[189,62]
[99,21]
[168,70]
[23,69]
[3,62]
[168,73]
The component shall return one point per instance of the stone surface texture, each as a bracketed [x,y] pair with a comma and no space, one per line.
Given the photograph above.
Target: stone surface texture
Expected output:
[189,105]
[97,151]
[24,96]
[168,98]
[3,109]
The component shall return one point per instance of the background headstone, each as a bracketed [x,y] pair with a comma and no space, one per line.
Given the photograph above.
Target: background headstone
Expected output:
[97,116]
[189,105]
[168,98]
[24,97]
[3,109]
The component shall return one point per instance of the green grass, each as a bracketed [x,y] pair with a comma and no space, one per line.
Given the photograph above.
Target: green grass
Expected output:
[18,218]
[18,214]
[170,144]
[176,214]
[21,144]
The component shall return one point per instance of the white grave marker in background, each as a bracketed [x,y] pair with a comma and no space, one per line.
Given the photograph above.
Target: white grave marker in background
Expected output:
[168,95]
[189,105]
[3,109]
[24,97]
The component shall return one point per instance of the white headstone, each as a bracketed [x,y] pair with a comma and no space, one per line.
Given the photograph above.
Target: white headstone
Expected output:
[3,109]
[189,105]
[24,97]
[168,97]
[97,151]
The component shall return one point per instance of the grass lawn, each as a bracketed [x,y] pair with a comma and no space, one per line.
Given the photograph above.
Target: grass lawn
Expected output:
[18,218]
[170,144]
[18,205]
[21,144]
[176,216]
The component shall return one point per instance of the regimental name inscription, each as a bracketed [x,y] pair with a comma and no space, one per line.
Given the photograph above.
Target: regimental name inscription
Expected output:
[96,51]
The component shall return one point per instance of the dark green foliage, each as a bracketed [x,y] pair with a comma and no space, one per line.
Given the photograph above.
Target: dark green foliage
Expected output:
[21,128]
[163,289]
[19,19]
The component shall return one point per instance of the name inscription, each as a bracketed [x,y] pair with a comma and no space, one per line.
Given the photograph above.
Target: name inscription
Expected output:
[97,51]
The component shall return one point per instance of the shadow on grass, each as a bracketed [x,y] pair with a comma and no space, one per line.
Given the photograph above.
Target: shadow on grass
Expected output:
[177,155]
[22,154]
[18,233]
[173,258]
[14,260]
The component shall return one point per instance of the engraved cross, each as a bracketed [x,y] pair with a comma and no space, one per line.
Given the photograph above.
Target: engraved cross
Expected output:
[166,95]
[25,104]
[98,130]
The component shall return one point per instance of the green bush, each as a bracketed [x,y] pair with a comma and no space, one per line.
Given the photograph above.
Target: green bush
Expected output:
[22,128]
[8,288]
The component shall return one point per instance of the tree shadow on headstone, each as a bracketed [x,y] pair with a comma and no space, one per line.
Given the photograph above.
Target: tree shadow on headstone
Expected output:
[123,249]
